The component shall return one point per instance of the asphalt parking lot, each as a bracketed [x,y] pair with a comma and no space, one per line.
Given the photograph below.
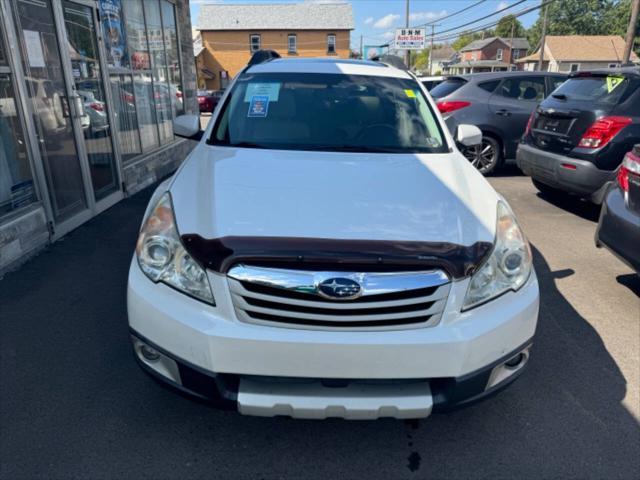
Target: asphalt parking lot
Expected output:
[74,404]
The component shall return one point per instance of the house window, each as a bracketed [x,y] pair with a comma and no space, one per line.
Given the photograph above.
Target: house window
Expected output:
[292,43]
[516,54]
[331,43]
[499,54]
[614,65]
[473,56]
[574,67]
[254,42]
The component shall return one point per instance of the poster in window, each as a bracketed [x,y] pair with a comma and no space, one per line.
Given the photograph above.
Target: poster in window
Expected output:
[114,33]
[33,45]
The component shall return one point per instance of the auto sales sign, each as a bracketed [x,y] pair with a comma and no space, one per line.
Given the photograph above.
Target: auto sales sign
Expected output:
[410,39]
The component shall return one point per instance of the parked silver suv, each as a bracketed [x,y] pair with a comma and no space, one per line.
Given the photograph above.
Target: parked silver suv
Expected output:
[499,103]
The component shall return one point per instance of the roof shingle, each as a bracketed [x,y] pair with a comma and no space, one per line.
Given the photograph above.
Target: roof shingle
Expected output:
[519,43]
[582,48]
[300,16]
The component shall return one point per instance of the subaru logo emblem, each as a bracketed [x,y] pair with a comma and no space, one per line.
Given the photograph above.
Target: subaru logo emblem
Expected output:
[339,289]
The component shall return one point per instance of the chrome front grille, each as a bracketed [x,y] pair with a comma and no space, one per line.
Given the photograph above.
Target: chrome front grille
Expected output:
[291,298]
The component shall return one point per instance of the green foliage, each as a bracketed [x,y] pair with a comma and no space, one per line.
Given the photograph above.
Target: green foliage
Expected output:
[421,60]
[503,29]
[583,17]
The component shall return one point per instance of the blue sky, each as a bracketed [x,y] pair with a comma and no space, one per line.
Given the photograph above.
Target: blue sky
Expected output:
[376,20]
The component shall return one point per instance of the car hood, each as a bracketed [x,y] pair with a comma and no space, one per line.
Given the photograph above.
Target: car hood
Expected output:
[244,192]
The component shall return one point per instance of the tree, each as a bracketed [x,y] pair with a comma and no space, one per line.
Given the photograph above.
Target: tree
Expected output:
[583,17]
[421,60]
[503,29]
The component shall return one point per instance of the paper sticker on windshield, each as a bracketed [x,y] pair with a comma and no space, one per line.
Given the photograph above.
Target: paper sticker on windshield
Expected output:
[613,82]
[410,93]
[271,90]
[259,106]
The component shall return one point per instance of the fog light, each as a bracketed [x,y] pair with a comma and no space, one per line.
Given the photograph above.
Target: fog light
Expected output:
[149,353]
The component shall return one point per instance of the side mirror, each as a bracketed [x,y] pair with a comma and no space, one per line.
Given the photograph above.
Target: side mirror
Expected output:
[187,126]
[469,135]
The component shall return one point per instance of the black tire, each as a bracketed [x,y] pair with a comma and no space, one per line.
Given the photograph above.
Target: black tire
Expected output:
[545,189]
[486,157]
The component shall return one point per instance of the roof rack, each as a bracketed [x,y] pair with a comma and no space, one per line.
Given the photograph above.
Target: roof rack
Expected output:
[262,56]
[391,61]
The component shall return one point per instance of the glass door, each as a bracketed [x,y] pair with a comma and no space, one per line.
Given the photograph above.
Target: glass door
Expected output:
[51,110]
[63,73]
[90,96]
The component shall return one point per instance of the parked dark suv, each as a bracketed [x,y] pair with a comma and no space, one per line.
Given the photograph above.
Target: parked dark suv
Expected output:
[619,225]
[499,103]
[577,138]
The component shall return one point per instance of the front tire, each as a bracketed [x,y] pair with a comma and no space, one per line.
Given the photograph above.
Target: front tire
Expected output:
[486,157]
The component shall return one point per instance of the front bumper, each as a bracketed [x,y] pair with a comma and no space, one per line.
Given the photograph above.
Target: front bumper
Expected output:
[619,229]
[565,173]
[219,359]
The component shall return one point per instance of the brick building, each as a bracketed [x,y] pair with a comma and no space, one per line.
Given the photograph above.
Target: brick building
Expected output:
[491,54]
[231,33]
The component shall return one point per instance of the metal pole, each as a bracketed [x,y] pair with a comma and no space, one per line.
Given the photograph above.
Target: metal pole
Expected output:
[407,53]
[513,26]
[631,30]
[431,50]
[544,35]
[361,49]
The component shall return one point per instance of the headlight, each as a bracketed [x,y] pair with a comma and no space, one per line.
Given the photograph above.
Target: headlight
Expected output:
[507,268]
[162,257]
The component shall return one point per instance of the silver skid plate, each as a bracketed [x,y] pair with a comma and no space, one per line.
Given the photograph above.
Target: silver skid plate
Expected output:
[312,400]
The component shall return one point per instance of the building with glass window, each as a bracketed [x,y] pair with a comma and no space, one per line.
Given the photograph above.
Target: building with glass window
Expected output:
[230,34]
[88,92]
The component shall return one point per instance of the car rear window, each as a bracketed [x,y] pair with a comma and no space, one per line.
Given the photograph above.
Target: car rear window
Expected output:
[489,86]
[599,89]
[447,87]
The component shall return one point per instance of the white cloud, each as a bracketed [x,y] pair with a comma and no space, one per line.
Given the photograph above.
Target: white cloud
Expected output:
[426,16]
[368,21]
[502,5]
[386,21]
[388,35]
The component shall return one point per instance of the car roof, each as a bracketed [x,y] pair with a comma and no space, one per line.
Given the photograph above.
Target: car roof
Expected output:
[628,70]
[328,65]
[500,75]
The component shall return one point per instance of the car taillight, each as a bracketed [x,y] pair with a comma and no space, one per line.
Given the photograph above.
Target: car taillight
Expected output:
[451,106]
[602,131]
[630,166]
[529,123]
[98,107]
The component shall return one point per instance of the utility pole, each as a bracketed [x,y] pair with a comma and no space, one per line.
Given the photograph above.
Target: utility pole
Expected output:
[513,26]
[407,53]
[433,27]
[544,38]
[361,49]
[631,30]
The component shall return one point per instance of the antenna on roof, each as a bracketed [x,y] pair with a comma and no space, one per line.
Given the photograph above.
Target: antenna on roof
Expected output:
[262,56]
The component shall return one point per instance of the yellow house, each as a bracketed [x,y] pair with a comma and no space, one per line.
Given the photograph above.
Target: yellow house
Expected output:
[230,34]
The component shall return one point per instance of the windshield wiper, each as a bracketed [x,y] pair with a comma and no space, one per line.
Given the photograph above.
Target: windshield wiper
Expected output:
[559,96]
[246,145]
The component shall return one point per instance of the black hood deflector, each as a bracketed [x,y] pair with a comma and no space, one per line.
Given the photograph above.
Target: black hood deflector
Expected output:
[220,254]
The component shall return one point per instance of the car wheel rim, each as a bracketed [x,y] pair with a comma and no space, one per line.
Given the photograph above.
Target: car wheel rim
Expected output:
[484,156]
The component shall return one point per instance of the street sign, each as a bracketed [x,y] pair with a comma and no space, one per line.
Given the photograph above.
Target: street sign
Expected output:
[409,39]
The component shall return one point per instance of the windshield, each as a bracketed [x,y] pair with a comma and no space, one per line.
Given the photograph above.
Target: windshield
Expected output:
[599,89]
[328,112]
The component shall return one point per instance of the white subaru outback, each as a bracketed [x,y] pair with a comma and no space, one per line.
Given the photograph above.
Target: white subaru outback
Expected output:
[326,251]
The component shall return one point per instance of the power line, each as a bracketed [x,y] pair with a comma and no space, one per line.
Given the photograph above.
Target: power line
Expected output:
[486,16]
[450,15]
[492,24]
